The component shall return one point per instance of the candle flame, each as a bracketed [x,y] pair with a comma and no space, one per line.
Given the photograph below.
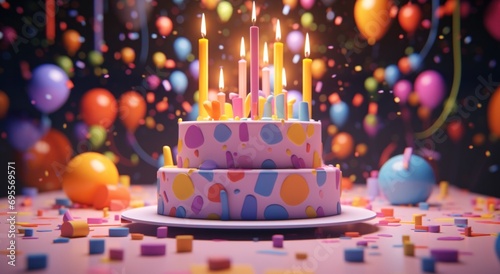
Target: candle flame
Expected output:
[203,26]
[221,80]
[283,77]
[242,48]
[254,17]
[307,48]
[278,31]
[266,55]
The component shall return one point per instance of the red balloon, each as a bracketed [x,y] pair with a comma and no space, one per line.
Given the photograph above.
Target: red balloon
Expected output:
[164,25]
[455,130]
[98,107]
[132,108]
[409,17]
[43,164]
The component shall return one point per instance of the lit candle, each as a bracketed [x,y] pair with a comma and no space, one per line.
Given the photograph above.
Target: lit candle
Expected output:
[278,61]
[254,66]
[306,76]
[266,82]
[50,17]
[203,70]
[221,96]
[242,72]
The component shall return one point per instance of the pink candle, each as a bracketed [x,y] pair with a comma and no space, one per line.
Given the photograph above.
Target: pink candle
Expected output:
[242,72]
[266,82]
[237,107]
[254,66]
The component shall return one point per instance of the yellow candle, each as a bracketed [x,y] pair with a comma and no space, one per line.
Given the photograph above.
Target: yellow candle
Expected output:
[203,70]
[278,61]
[307,76]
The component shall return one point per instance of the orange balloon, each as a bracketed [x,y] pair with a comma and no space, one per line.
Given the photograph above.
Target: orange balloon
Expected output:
[128,55]
[404,65]
[409,17]
[132,107]
[494,113]
[372,18]
[85,173]
[98,107]
[71,41]
[342,145]
[43,164]
[164,25]
[4,104]
[318,68]
[379,74]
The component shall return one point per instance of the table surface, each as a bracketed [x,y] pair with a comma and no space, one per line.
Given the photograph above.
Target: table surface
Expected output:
[251,251]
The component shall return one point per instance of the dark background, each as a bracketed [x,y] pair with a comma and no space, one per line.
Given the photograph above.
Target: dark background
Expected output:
[461,163]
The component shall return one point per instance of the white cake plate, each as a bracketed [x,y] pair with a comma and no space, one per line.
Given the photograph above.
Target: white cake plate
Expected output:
[148,215]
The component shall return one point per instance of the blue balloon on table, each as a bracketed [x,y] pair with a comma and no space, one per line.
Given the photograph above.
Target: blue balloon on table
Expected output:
[410,185]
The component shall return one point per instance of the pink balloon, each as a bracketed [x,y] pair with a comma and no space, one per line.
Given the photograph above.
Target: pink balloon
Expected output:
[491,22]
[402,90]
[295,41]
[307,4]
[430,88]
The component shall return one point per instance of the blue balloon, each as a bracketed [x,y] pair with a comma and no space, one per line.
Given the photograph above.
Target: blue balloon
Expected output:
[339,113]
[179,82]
[182,48]
[48,89]
[410,185]
[391,74]
[193,115]
[23,133]
[415,61]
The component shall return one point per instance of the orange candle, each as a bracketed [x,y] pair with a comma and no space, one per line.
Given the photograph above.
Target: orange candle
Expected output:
[307,76]
[203,70]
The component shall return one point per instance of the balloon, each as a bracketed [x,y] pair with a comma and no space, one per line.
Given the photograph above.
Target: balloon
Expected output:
[404,65]
[95,58]
[159,59]
[430,88]
[402,90]
[128,55]
[4,104]
[8,38]
[153,81]
[132,108]
[295,41]
[225,11]
[98,107]
[291,3]
[371,125]
[342,145]
[81,131]
[71,41]
[164,25]
[210,4]
[48,89]
[491,16]
[179,82]
[409,17]
[339,113]
[182,48]
[97,136]
[193,115]
[307,4]
[23,133]
[306,19]
[66,64]
[194,69]
[372,18]
[379,74]
[371,84]
[85,173]
[44,162]
[455,130]
[415,61]
[494,113]
[391,74]
[318,68]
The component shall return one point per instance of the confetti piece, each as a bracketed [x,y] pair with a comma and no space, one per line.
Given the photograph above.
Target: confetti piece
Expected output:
[116,254]
[96,246]
[272,252]
[445,255]
[184,243]
[219,263]
[153,249]
[136,236]
[36,261]
[428,264]
[278,240]
[354,255]
[450,238]
[76,228]
[60,240]
[161,232]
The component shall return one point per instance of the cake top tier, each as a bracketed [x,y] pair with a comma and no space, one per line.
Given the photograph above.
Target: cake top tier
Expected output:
[249,144]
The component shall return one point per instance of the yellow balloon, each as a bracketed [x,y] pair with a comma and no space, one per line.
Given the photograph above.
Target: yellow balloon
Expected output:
[128,55]
[306,19]
[225,11]
[159,59]
[318,68]
[372,18]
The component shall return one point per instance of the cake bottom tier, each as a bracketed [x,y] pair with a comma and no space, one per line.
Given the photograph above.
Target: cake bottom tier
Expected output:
[249,194]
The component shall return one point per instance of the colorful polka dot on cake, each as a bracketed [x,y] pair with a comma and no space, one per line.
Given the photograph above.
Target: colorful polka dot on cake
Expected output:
[296,134]
[183,186]
[294,190]
[271,134]
[222,133]
[197,204]
[194,137]
[243,130]
[265,182]
[249,208]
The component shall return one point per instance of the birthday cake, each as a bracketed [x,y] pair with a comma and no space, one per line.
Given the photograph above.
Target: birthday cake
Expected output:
[249,170]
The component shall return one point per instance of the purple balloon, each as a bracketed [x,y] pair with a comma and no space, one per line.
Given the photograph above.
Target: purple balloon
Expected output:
[194,69]
[48,89]
[153,81]
[23,133]
[295,41]
[81,131]
[402,90]
[430,88]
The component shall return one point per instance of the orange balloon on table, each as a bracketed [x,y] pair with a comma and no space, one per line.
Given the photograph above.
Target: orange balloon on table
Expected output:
[98,107]
[85,173]
[342,145]
[43,164]
[4,104]
[409,17]
[132,107]
[494,113]
[372,18]
[71,41]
